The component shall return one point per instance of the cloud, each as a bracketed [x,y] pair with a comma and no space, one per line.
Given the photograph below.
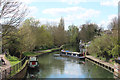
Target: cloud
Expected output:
[33,10]
[45,20]
[28,1]
[105,23]
[110,17]
[72,2]
[58,11]
[109,3]
[64,1]
[77,12]
[72,14]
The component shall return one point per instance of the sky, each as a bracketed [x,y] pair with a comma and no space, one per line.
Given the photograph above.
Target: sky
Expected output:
[75,12]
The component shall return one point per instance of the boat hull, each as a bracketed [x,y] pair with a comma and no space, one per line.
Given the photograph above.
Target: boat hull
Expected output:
[81,57]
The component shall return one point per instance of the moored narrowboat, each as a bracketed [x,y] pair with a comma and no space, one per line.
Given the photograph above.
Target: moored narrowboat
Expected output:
[33,62]
[72,54]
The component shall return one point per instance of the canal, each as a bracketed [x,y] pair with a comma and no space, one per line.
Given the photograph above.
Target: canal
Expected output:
[64,67]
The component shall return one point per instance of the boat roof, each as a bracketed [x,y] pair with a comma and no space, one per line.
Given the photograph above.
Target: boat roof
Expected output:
[71,52]
[33,59]
[75,52]
[65,51]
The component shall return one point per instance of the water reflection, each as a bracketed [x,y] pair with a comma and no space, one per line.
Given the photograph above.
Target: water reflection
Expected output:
[62,67]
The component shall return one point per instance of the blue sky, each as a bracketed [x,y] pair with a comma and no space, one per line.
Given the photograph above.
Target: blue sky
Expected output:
[75,12]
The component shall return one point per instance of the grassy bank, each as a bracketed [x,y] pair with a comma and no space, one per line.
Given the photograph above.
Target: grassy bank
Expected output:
[39,52]
[111,61]
[12,59]
[49,50]
[31,54]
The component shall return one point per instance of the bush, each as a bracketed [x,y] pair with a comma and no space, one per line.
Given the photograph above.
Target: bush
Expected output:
[104,46]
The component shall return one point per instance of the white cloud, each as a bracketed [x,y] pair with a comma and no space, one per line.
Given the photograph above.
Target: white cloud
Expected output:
[45,20]
[77,12]
[33,10]
[71,14]
[105,23]
[73,2]
[109,3]
[110,17]
[28,1]
[58,11]
[64,1]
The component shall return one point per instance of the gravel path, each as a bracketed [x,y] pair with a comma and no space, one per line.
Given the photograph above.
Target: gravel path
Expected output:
[7,63]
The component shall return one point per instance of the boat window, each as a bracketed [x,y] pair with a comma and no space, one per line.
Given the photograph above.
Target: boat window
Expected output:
[33,58]
[63,53]
[78,54]
[68,53]
[74,54]
[33,63]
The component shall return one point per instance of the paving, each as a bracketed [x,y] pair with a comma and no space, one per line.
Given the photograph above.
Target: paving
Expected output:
[7,63]
[100,61]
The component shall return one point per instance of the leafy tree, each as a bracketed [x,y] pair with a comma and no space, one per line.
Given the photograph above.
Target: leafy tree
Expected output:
[89,31]
[58,33]
[73,34]
[106,45]
[12,14]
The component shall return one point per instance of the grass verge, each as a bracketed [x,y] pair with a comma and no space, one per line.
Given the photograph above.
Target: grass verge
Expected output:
[12,59]
[41,52]
[31,54]
[104,59]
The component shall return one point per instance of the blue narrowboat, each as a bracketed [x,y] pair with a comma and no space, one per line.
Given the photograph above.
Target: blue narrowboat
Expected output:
[72,54]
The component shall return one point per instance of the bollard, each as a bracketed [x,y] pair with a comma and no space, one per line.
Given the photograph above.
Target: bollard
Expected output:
[5,73]
[117,69]
[0,74]
[0,62]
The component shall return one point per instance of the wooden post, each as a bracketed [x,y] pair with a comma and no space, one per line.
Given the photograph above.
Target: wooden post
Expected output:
[10,71]
[5,74]
[0,74]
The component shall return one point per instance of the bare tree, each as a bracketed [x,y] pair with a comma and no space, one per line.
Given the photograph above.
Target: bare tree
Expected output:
[113,24]
[12,12]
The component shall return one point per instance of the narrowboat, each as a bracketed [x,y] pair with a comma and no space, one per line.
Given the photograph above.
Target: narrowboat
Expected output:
[33,62]
[72,54]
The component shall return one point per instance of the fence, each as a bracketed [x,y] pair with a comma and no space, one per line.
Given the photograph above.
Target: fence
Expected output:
[9,72]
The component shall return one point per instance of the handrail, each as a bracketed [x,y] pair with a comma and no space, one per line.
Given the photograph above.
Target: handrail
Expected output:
[12,70]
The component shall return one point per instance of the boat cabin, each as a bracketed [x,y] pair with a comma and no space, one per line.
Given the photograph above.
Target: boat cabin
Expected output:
[72,54]
[33,62]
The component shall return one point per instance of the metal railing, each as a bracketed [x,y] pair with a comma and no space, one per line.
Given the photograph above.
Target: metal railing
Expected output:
[12,70]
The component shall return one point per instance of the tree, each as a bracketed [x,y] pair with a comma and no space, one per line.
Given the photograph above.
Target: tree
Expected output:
[106,45]
[8,36]
[61,24]
[113,24]
[58,33]
[73,34]
[43,37]
[12,14]
[89,31]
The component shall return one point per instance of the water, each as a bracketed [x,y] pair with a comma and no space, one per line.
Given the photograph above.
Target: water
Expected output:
[62,67]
